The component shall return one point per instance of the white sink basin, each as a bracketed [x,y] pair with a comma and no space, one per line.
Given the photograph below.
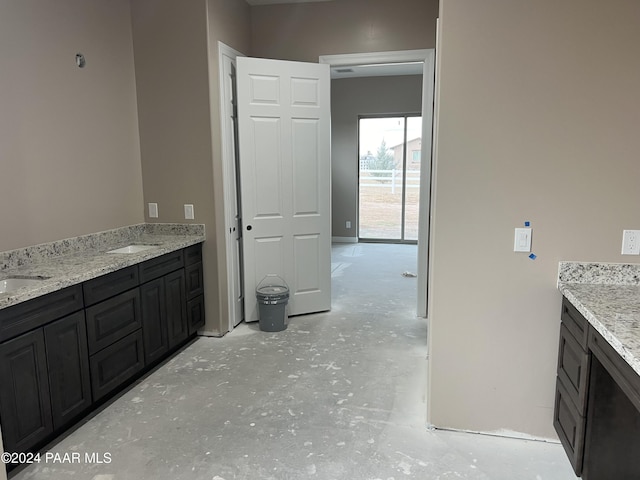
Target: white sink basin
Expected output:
[133,249]
[11,284]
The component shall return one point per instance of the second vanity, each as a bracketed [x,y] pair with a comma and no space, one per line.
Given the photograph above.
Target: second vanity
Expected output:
[597,406]
[95,313]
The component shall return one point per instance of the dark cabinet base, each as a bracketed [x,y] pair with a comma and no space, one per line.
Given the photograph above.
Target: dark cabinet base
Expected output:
[613,430]
[67,352]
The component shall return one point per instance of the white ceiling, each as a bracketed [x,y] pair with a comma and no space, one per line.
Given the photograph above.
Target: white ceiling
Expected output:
[273,2]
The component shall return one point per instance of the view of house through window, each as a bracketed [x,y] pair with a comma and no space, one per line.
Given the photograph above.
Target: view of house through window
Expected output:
[389,177]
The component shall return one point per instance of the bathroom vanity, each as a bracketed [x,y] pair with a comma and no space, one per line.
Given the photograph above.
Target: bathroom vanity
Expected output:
[91,321]
[597,405]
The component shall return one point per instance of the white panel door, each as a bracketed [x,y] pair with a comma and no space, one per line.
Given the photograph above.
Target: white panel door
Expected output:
[285,179]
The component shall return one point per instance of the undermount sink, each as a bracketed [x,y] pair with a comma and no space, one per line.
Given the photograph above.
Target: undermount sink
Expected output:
[133,249]
[9,285]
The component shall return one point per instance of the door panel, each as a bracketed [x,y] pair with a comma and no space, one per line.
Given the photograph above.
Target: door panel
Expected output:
[283,118]
[230,167]
[306,199]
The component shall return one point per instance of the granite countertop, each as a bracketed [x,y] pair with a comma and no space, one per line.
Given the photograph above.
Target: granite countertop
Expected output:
[76,260]
[608,295]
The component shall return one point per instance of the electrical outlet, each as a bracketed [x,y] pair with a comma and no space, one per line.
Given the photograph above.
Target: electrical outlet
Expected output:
[188,212]
[153,210]
[631,242]
[348,223]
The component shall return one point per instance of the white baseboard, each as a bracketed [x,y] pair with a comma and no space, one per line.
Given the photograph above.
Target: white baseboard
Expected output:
[344,239]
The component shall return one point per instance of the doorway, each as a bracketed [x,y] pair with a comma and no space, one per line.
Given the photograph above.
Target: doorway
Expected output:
[230,291]
[389,160]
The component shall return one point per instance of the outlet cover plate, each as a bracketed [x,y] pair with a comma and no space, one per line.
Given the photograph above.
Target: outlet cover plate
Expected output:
[631,242]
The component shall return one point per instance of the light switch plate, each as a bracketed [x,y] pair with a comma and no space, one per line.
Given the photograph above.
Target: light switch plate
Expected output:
[153,210]
[522,240]
[188,212]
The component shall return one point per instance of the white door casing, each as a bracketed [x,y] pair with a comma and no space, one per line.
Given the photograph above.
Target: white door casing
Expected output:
[233,231]
[285,179]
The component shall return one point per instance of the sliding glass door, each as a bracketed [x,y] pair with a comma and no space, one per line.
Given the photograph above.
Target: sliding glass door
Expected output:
[389,178]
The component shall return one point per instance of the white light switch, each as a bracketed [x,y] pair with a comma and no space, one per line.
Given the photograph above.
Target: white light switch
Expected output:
[188,212]
[153,210]
[522,241]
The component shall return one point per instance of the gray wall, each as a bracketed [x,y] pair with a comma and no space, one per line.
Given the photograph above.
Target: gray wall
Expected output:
[350,98]
[307,30]
[539,117]
[69,148]
[175,47]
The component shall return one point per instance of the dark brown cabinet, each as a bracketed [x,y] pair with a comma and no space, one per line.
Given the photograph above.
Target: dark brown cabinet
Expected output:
[176,307]
[68,364]
[597,407]
[63,352]
[195,288]
[45,381]
[154,320]
[24,396]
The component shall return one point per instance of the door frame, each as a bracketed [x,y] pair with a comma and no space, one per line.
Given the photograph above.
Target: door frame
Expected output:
[229,178]
[428,77]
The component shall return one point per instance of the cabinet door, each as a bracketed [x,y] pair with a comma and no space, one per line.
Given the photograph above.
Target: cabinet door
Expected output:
[569,425]
[176,307]
[68,362]
[154,320]
[195,284]
[24,396]
[195,313]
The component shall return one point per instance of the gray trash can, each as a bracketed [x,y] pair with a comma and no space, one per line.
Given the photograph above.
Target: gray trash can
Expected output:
[272,294]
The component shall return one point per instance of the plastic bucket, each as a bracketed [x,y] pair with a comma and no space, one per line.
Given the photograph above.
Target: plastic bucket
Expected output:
[272,294]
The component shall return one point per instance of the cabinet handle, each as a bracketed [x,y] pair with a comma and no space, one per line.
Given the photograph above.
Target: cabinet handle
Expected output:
[249,227]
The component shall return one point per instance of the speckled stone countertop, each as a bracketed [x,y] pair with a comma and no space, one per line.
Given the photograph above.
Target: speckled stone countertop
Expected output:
[608,295]
[76,260]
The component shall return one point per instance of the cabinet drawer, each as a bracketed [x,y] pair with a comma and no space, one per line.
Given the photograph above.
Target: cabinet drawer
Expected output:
[575,322]
[194,280]
[195,313]
[573,368]
[110,285]
[157,267]
[113,319]
[34,313]
[569,425]
[193,254]
[626,378]
[116,364]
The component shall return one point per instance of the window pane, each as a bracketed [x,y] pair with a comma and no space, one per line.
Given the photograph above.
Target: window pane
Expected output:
[381,148]
[412,200]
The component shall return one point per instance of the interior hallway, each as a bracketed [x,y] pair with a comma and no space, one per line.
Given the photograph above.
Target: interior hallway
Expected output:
[338,395]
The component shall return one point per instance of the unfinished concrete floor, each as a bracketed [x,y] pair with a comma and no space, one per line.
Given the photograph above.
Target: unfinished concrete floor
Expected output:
[338,395]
